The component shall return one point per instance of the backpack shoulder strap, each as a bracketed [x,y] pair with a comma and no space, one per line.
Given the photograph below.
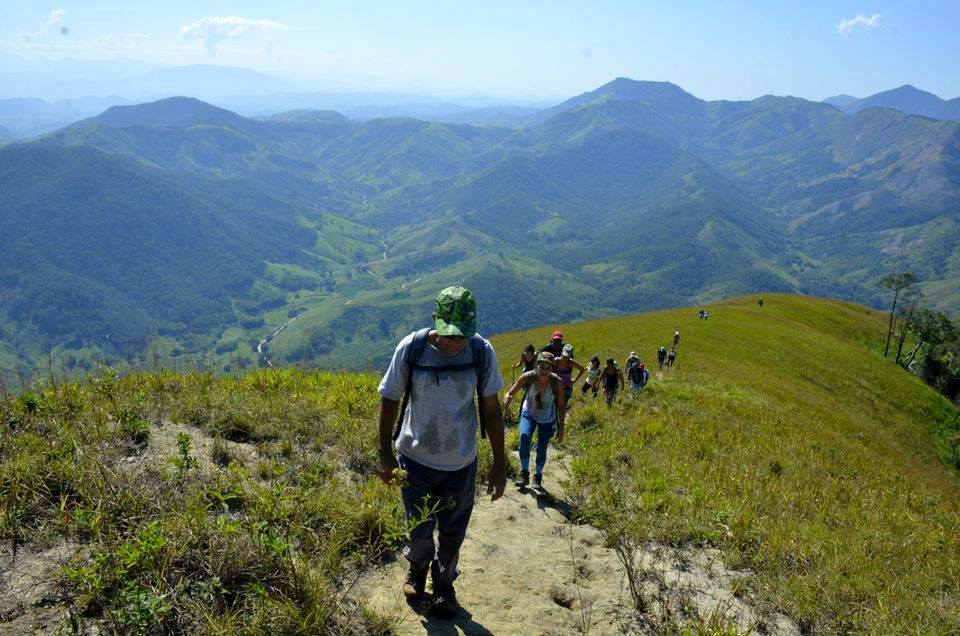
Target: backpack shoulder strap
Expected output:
[411,358]
[479,349]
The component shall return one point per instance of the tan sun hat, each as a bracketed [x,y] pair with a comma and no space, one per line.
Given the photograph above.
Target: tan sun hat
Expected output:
[545,356]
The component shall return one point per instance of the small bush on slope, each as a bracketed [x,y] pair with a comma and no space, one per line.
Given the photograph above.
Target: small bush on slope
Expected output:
[782,437]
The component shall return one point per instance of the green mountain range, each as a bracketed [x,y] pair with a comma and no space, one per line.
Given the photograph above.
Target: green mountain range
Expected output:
[183,231]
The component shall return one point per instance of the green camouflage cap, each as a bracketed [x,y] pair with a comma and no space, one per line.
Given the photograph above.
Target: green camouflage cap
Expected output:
[456,312]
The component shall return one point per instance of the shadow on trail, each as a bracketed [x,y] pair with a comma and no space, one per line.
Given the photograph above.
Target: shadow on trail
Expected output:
[462,623]
[546,499]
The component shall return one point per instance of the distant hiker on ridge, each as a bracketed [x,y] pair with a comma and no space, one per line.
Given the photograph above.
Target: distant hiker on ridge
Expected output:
[676,339]
[671,357]
[661,355]
[543,411]
[436,372]
[632,359]
[760,301]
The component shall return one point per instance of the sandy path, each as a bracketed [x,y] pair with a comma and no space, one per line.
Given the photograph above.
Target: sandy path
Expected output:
[525,569]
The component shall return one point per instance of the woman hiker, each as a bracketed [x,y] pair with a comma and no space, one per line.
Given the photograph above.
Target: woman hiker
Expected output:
[528,359]
[592,383]
[543,411]
[564,366]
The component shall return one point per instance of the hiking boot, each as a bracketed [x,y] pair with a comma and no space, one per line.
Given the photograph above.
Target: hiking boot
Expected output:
[445,604]
[538,480]
[415,582]
[523,479]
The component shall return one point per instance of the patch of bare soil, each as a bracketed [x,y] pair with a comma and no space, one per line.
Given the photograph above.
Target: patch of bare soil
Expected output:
[526,569]
[162,446]
[28,600]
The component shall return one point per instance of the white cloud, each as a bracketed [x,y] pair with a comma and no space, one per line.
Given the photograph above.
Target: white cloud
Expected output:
[213,30]
[846,27]
[56,15]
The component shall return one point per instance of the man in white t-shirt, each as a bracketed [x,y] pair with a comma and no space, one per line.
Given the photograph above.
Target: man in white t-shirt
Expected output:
[436,373]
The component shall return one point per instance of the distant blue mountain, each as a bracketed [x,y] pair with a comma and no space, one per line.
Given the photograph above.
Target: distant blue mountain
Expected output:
[906,99]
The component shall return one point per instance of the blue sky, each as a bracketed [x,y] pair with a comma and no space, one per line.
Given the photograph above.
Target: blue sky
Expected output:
[716,50]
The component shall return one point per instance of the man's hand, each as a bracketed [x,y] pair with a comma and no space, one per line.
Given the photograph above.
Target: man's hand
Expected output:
[387,466]
[559,436]
[496,482]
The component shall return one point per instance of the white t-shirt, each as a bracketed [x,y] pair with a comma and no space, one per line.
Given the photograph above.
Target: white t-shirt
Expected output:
[440,424]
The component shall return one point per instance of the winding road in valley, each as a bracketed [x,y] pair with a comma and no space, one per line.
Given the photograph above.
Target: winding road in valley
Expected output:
[260,352]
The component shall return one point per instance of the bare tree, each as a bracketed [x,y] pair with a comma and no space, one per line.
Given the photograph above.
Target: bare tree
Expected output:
[895,283]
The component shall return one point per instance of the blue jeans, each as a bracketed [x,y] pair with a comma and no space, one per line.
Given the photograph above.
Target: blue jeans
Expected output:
[451,493]
[544,433]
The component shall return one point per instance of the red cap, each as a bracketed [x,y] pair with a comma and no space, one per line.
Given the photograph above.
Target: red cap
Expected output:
[641,365]
[557,334]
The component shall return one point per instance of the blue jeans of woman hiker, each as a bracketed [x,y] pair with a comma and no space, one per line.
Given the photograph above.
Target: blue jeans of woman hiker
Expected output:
[544,433]
[451,492]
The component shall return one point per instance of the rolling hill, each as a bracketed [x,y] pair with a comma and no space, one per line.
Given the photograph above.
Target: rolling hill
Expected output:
[635,195]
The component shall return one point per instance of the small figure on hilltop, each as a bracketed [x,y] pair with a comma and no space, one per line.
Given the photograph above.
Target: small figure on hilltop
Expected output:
[436,372]
[671,357]
[638,376]
[706,315]
[676,339]
[542,411]
[760,301]
[702,315]
[632,359]
[612,378]
[592,383]
[555,346]
[661,355]
[564,366]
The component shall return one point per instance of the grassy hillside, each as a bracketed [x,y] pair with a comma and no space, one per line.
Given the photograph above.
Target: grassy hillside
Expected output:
[784,438]
[244,504]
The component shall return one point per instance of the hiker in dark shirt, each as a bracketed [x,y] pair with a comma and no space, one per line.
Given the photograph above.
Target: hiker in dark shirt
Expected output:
[555,346]
[661,355]
[612,380]
[638,376]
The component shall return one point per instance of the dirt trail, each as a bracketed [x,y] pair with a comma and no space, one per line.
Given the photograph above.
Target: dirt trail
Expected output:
[526,569]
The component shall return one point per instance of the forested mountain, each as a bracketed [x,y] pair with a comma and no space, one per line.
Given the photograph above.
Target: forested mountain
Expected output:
[188,228]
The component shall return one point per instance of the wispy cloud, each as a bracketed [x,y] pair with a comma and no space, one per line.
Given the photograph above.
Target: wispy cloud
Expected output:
[212,31]
[29,37]
[56,15]
[846,27]
[121,40]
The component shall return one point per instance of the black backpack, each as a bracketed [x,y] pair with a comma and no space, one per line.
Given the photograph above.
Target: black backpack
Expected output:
[412,359]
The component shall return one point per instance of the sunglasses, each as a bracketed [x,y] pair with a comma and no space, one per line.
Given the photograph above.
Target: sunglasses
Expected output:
[454,338]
